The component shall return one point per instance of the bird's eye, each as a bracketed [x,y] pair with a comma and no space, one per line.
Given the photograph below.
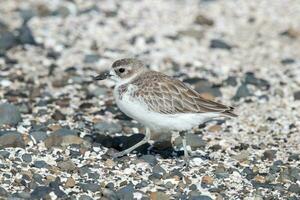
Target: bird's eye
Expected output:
[121,70]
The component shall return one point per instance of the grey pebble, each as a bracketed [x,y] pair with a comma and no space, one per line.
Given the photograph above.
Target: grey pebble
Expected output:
[91,58]
[126,192]
[67,166]
[11,139]
[106,127]
[158,169]
[3,192]
[40,164]
[27,157]
[7,40]
[38,135]
[295,188]
[201,197]
[219,44]
[149,159]
[4,154]
[9,114]
[242,92]
[85,197]
[93,187]
[40,192]
[297,95]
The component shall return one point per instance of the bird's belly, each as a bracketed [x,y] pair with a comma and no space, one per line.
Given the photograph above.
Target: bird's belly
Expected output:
[158,121]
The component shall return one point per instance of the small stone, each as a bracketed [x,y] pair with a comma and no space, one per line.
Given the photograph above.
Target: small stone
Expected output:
[57,115]
[201,197]
[4,154]
[149,159]
[295,188]
[38,135]
[215,128]
[231,80]
[242,92]
[297,95]
[70,182]
[67,166]
[291,32]
[287,61]
[3,192]
[207,180]
[126,192]
[219,44]
[91,58]
[26,36]
[40,192]
[93,187]
[63,137]
[7,40]
[26,157]
[260,179]
[203,20]
[106,127]
[11,139]
[159,196]
[85,197]
[242,156]
[9,114]
[269,155]
[159,170]
[258,82]
[40,164]
[294,156]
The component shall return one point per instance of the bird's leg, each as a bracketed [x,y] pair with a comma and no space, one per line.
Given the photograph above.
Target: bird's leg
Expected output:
[186,154]
[144,141]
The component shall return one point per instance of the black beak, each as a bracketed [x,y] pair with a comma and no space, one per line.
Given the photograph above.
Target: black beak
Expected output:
[102,76]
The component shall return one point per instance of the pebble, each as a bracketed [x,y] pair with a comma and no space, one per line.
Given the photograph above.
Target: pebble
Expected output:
[106,127]
[9,114]
[207,180]
[40,164]
[38,135]
[295,188]
[297,95]
[149,159]
[126,192]
[242,92]
[3,192]
[70,182]
[219,44]
[203,20]
[269,155]
[27,157]
[63,137]
[25,35]
[67,166]
[93,187]
[40,192]
[159,196]
[11,139]
[7,41]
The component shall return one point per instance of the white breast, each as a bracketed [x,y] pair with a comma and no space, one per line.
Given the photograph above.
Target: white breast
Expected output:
[138,110]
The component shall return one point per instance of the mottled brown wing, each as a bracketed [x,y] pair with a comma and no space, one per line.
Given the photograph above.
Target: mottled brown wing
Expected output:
[167,95]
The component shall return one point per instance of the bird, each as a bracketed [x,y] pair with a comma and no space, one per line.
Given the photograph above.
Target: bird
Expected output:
[158,101]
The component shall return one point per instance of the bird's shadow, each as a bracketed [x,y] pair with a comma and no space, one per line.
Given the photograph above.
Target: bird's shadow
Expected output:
[120,143]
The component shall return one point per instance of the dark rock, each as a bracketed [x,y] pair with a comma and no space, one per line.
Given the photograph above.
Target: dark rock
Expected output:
[38,135]
[93,187]
[25,35]
[126,192]
[258,82]
[4,154]
[201,197]
[85,197]
[26,157]
[287,61]
[248,172]
[41,192]
[295,188]
[105,127]
[63,137]
[3,192]
[9,114]
[269,155]
[294,157]
[57,115]
[7,41]
[203,86]
[159,170]
[38,178]
[11,139]
[67,166]
[27,14]
[203,20]
[231,80]
[242,92]
[91,58]
[193,140]
[22,195]
[297,95]
[149,159]
[40,164]
[219,44]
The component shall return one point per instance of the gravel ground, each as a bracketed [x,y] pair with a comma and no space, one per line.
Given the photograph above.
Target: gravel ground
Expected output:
[59,129]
